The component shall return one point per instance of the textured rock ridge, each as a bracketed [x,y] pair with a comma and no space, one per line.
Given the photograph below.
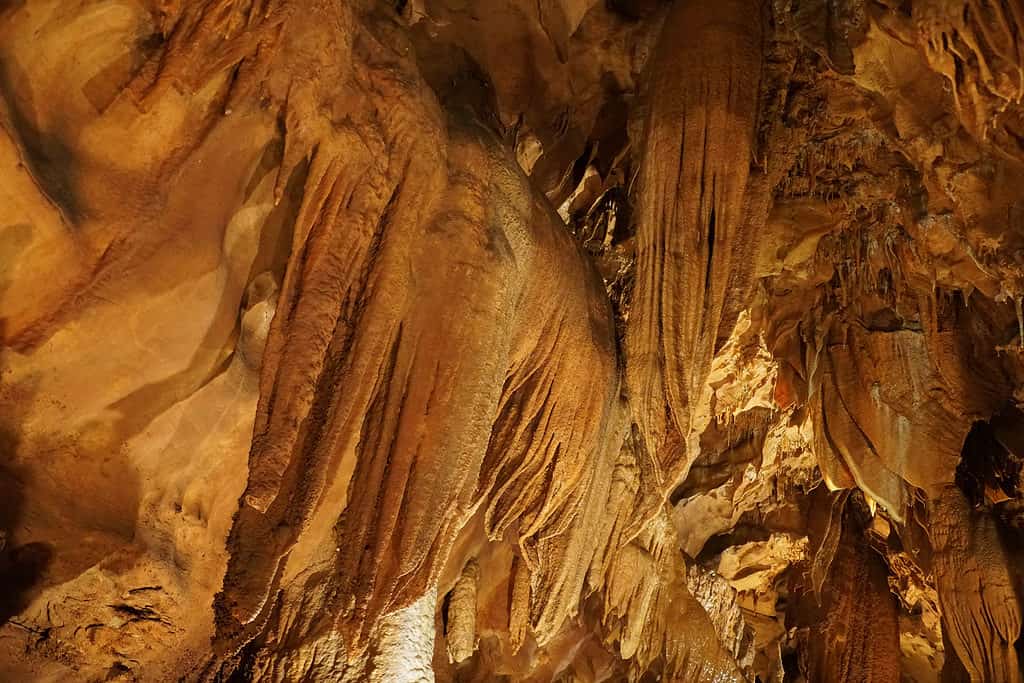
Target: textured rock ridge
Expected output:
[699,211]
[547,340]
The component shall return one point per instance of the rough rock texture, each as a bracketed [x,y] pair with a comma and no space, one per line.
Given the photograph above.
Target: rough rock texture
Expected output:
[525,340]
[699,210]
[976,589]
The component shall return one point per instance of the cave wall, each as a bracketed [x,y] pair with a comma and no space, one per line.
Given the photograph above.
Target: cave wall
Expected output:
[559,340]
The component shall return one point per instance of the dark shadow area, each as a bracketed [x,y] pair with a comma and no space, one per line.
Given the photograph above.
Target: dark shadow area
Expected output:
[990,462]
[68,502]
[22,567]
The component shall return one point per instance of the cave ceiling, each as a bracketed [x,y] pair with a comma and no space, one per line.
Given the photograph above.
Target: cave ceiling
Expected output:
[512,340]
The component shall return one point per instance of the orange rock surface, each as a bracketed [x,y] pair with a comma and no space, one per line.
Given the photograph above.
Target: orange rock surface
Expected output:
[548,340]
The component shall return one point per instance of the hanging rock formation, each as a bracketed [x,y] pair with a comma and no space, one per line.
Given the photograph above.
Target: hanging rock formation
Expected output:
[980,606]
[699,212]
[558,340]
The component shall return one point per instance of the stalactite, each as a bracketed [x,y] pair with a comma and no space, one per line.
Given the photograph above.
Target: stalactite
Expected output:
[302,428]
[461,630]
[860,638]
[976,45]
[519,604]
[651,614]
[981,611]
[700,211]
[411,436]
[443,434]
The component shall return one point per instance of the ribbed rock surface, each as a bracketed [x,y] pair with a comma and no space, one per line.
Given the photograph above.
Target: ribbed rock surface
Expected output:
[527,340]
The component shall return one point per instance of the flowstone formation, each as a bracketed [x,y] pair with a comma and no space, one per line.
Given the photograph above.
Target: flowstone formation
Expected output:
[519,340]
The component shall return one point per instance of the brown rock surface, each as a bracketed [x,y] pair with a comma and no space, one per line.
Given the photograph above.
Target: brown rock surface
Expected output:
[560,340]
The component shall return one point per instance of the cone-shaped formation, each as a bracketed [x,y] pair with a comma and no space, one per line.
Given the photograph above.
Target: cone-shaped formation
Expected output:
[699,212]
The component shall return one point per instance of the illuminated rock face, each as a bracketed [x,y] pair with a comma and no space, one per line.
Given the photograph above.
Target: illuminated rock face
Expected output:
[564,340]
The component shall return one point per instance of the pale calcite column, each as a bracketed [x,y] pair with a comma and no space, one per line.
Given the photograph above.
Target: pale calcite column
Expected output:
[405,646]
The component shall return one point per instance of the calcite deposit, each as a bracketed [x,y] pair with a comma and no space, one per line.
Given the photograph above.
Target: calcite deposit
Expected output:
[512,340]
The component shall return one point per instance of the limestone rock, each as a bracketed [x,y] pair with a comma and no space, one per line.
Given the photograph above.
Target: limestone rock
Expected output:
[556,340]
